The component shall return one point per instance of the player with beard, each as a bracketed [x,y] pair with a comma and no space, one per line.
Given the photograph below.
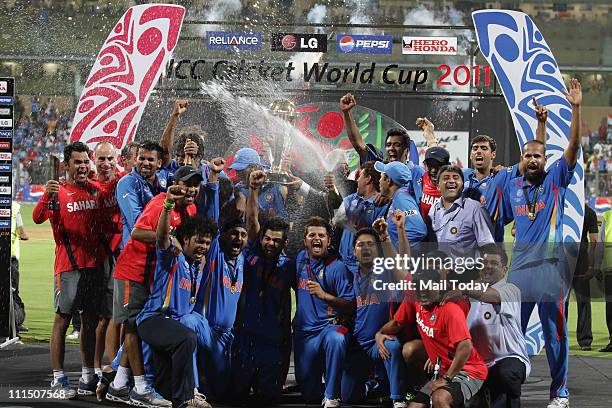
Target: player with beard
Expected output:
[263,323]
[133,273]
[77,275]
[178,273]
[217,299]
[107,176]
[539,269]
[139,186]
[486,185]
[324,297]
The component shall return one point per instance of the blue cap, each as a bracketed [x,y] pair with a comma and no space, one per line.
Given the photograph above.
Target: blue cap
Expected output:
[398,172]
[245,157]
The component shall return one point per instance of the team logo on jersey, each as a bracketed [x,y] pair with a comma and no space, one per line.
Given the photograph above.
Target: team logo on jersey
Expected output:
[453,230]
[519,193]
[540,189]
[354,203]
[162,183]
[487,315]
[483,185]
[268,197]
[369,211]
[432,318]
[321,274]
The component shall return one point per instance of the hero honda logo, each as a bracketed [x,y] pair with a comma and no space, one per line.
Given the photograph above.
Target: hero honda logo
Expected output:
[228,40]
[5,212]
[299,42]
[364,44]
[5,156]
[429,45]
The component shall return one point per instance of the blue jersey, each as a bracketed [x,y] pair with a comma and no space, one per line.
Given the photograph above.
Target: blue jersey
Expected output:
[271,201]
[174,286]
[416,230]
[360,213]
[532,236]
[207,202]
[133,193]
[312,314]
[489,192]
[374,307]
[265,305]
[219,294]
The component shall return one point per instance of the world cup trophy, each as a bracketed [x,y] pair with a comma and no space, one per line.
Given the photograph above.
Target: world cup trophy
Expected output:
[278,142]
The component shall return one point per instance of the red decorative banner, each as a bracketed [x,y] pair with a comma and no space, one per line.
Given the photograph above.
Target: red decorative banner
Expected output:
[124,74]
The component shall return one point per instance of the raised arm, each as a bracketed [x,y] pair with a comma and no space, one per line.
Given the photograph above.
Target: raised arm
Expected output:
[41,212]
[180,106]
[348,102]
[163,225]
[542,116]
[381,227]
[574,96]
[428,131]
[256,180]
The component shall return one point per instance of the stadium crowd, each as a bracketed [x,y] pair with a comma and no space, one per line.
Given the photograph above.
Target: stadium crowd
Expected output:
[183,278]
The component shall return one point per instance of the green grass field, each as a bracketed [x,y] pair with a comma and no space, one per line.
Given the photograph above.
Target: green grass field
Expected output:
[36,289]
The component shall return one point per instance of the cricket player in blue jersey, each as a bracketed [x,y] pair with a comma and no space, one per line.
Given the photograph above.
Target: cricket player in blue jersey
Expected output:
[394,183]
[375,307]
[272,195]
[540,269]
[263,323]
[484,184]
[324,299]
[217,299]
[138,187]
[178,273]
[358,210]
[398,145]
[188,148]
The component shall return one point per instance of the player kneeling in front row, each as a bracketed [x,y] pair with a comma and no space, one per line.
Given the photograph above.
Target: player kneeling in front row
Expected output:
[324,296]
[178,273]
[446,339]
[367,354]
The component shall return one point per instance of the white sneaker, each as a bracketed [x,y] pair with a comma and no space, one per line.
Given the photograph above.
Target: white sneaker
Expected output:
[559,403]
[74,335]
[331,403]
[400,404]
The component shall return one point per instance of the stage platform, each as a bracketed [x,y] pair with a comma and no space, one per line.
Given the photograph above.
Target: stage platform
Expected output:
[27,366]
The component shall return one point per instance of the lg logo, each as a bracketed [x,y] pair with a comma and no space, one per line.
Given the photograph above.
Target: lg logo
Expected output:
[297,42]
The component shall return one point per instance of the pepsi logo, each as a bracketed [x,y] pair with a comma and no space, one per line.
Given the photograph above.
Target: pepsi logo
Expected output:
[347,43]
[289,41]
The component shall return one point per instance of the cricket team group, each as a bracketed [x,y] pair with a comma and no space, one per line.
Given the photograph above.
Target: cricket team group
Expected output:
[184,271]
